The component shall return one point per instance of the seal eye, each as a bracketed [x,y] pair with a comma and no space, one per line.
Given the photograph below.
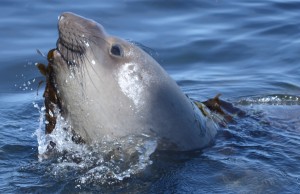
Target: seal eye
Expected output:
[116,50]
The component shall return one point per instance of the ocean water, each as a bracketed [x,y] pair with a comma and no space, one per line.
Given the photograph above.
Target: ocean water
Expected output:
[248,51]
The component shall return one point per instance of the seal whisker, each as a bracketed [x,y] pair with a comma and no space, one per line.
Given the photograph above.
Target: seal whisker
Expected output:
[79,76]
[74,61]
[79,54]
[72,55]
[87,71]
[92,66]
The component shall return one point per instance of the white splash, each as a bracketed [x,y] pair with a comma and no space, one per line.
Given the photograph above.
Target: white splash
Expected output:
[271,100]
[61,134]
[108,161]
[132,82]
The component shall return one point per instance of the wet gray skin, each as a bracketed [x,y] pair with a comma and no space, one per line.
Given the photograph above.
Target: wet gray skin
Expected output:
[110,88]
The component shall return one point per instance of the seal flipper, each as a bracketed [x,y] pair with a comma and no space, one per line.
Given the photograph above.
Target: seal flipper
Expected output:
[213,108]
[215,105]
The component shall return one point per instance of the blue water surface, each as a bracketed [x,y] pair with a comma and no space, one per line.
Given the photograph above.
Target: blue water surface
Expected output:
[249,51]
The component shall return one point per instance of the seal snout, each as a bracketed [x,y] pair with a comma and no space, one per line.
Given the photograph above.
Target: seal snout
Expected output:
[77,35]
[69,16]
[76,22]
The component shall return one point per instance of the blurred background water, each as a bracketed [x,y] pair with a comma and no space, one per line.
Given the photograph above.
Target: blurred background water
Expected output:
[246,50]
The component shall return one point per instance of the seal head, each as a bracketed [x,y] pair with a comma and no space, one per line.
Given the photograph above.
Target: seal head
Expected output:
[109,87]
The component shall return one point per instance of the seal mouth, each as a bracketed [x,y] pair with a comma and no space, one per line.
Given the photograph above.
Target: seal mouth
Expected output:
[72,42]
[71,51]
[71,46]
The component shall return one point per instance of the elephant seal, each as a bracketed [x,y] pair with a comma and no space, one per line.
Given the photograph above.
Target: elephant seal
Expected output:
[108,87]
